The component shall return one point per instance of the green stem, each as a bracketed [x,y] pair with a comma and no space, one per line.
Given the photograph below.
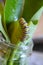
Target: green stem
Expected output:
[14,57]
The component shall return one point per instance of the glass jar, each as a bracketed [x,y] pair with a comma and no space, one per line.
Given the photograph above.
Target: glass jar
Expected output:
[5,50]
[15,55]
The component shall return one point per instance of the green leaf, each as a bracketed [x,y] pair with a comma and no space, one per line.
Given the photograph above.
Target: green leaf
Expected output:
[37,15]
[15,32]
[31,7]
[3,31]
[1,8]
[13,10]
[32,29]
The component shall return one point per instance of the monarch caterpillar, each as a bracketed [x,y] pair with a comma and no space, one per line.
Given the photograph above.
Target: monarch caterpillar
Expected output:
[18,31]
[25,29]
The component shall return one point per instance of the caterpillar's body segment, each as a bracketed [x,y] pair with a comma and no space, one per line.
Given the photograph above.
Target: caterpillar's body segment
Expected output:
[25,29]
